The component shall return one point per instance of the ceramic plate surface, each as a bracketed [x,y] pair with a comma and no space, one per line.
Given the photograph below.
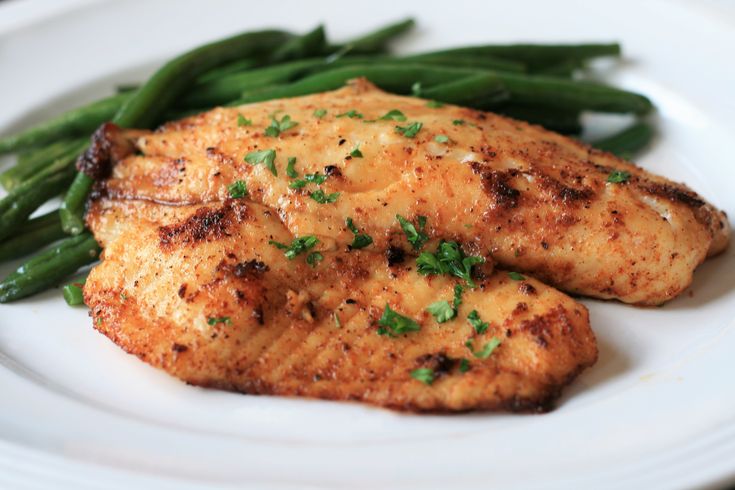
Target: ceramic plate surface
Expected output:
[657,411]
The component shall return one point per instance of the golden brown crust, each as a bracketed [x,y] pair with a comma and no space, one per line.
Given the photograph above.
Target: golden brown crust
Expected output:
[167,305]
[538,200]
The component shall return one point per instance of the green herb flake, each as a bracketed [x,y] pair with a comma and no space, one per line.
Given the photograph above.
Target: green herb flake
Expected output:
[225,320]
[393,324]
[356,153]
[448,259]
[323,198]
[243,121]
[320,113]
[416,237]
[411,130]
[474,319]
[442,311]
[238,189]
[352,114]
[298,245]
[516,276]
[314,258]
[441,138]
[618,177]
[488,349]
[361,240]
[263,157]
[434,104]
[464,365]
[291,168]
[459,122]
[425,375]
[457,301]
[316,178]
[416,89]
[337,321]
[279,126]
[393,115]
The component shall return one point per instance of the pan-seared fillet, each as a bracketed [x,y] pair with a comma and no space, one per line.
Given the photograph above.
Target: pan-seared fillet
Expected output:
[537,201]
[200,292]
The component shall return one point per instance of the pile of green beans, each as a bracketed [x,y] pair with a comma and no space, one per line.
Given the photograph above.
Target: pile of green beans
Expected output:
[533,82]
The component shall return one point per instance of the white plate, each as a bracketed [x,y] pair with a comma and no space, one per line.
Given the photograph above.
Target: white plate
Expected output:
[657,411]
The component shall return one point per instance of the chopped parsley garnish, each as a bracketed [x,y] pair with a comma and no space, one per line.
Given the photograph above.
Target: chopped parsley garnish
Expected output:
[411,130]
[442,310]
[356,153]
[320,113]
[393,115]
[316,178]
[618,177]
[425,375]
[416,89]
[393,324]
[361,240]
[238,189]
[352,114]
[337,321]
[516,276]
[243,121]
[474,319]
[416,237]
[323,198]
[441,138]
[487,350]
[434,104]
[263,157]
[212,320]
[459,122]
[458,290]
[464,365]
[314,258]
[277,127]
[291,168]
[448,259]
[298,245]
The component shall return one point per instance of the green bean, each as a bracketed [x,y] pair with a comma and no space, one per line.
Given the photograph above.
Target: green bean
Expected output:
[73,294]
[537,56]
[229,87]
[49,268]
[396,78]
[375,41]
[28,196]
[31,236]
[564,69]
[310,44]
[82,120]
[159,93]
[66,149]
[230,68]
[561,121]
[72,207]
[627,142]
[475,62]
[482,89]
[546,91]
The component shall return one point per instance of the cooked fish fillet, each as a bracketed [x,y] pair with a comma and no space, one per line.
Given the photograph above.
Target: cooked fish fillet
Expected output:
[198,291]
[538,201]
